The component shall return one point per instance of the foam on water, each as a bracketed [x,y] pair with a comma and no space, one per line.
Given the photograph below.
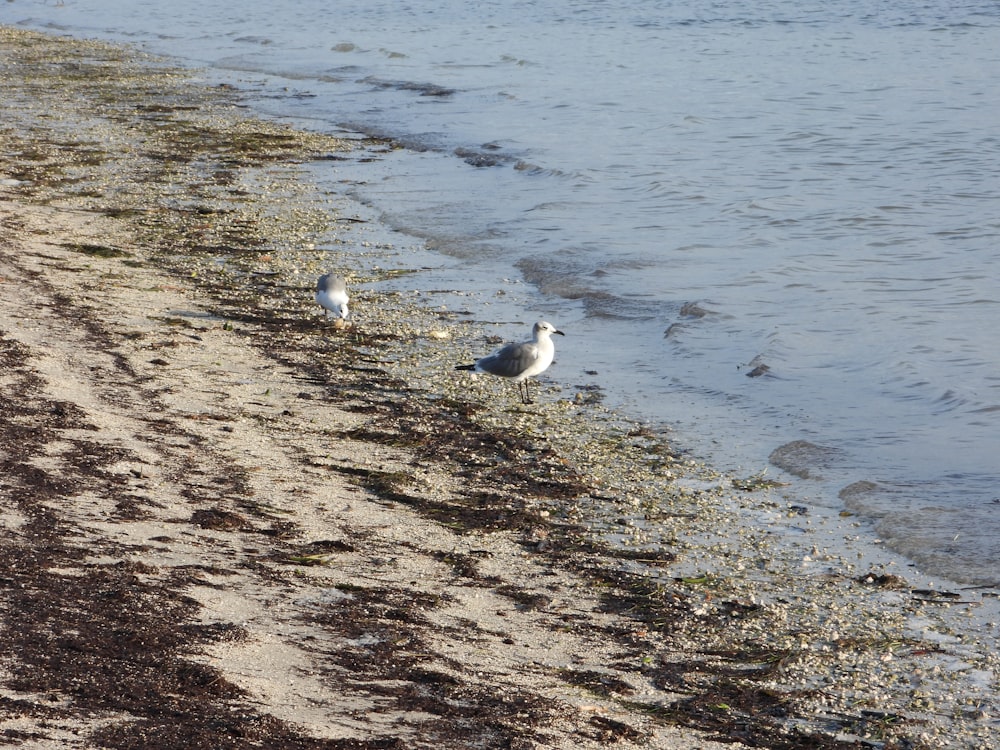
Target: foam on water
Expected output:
[689,192]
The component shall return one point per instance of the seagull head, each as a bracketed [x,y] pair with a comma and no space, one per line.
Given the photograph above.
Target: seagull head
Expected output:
[546,328]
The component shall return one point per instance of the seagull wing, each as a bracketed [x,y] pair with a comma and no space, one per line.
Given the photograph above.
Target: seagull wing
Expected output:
[338,286]
[331,283]
[510,361]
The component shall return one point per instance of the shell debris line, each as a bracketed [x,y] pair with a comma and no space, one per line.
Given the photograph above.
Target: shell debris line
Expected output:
[760,617]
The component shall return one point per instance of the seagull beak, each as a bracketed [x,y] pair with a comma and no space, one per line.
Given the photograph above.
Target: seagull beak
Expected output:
[559,332]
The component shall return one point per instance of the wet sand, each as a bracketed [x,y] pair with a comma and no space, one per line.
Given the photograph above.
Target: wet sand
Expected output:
[227,523]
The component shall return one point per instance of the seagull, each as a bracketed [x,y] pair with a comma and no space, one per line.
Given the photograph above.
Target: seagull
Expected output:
[519,362]
[331,294]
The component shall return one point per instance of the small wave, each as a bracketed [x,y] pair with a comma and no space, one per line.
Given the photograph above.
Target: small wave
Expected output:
[804,459]
[569,280]
[526,167]
[481,158]
[423,89]
[263,41]
[986,409]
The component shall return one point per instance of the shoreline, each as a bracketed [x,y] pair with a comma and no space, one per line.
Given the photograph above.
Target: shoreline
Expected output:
[557,568]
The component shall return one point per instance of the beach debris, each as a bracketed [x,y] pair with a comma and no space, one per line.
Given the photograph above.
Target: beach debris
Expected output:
[882,580]
[756,482]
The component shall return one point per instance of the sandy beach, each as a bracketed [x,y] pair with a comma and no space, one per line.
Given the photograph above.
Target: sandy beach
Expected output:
[229,523]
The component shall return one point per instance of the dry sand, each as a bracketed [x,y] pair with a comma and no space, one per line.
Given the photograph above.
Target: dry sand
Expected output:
[228,524]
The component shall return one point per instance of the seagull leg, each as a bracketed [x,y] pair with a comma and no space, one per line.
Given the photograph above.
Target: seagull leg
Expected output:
[526,393]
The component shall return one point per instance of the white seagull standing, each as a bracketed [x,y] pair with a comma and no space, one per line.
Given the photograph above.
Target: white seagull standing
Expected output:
[331,294]
[518,362]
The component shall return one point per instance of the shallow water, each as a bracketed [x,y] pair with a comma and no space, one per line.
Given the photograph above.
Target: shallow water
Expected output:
[690,191]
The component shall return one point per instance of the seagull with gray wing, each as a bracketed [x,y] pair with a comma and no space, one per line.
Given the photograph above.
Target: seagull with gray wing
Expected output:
[518,362]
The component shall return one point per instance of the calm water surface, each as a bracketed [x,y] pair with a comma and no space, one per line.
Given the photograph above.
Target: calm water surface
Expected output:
[690,190]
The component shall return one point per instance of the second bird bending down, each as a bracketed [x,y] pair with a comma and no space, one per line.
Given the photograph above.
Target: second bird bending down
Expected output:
[331,295]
